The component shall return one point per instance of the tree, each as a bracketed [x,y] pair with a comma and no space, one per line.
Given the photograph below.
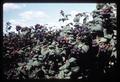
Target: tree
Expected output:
[100,6]
[8,26]
[18,28]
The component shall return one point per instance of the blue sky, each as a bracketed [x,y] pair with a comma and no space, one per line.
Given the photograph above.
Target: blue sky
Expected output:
[27,14]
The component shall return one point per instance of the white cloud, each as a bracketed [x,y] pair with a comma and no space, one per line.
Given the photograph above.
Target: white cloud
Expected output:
[27,18]
[74,12]
[28,15]
[24,5]
[56,24]
[17,22]
[9,6]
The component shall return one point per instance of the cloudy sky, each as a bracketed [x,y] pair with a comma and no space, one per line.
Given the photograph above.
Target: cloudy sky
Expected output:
[29,14]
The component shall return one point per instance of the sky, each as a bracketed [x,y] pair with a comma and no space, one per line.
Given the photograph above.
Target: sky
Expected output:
[29,14]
